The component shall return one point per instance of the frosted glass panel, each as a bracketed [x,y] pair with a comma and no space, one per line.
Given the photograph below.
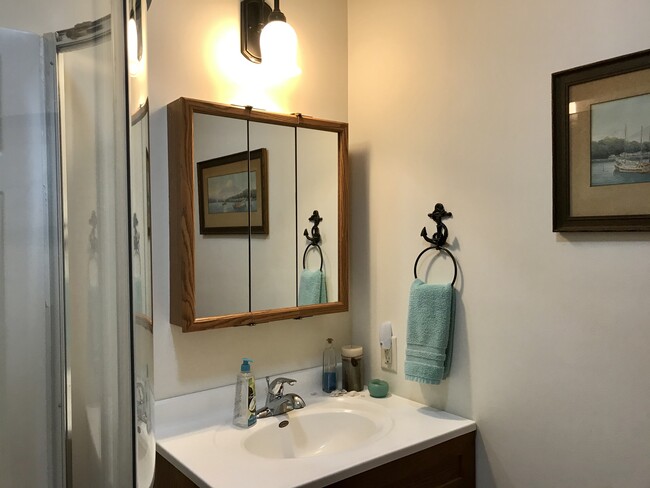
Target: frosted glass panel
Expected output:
[24,286]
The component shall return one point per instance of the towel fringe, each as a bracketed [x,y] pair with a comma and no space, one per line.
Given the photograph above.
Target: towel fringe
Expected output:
[423,381]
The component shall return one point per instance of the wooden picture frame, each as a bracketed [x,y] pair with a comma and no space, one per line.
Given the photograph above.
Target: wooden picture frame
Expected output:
[601,145]
[224,186]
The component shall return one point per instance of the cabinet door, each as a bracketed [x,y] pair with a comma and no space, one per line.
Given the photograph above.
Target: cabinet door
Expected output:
[318,189]
[221,246]
[273,253]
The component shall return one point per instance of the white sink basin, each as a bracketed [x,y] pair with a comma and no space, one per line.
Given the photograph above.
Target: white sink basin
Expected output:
[319,429]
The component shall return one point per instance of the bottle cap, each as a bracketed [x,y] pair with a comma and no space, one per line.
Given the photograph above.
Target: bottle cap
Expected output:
[245,367]
[351,351]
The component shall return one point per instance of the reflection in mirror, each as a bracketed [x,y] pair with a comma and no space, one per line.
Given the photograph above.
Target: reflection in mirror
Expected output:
[273,270]
[318,161]
[141,218]
[243,268]
[141,304]
[221,261]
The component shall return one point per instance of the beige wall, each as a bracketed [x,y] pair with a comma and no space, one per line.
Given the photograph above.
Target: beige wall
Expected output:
[194,52]
[450,102]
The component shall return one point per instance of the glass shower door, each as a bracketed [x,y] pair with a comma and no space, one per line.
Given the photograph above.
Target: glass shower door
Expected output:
[75,265]
[95,210]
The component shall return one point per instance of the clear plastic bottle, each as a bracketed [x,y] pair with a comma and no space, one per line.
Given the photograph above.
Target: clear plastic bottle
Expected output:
[329,367]
[245,404]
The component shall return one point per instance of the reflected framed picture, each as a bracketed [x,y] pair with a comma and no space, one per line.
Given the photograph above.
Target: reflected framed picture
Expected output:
[601,146]
[227,190]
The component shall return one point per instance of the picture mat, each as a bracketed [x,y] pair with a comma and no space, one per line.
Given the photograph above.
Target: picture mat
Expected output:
[587,200]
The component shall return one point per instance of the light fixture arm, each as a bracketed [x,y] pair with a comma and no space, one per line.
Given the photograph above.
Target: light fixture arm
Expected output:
[277,14]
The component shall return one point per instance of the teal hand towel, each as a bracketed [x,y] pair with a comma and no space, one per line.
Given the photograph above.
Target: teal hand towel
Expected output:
[312,288]
[429,332]
[323,288]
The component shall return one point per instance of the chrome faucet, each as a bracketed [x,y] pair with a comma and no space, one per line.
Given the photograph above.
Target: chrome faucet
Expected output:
[277,402]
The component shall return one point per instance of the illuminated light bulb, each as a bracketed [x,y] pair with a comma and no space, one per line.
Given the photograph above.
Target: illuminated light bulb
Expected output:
[135,64]
[279,46]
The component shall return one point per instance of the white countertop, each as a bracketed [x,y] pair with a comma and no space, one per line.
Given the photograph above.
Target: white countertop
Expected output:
[195,433]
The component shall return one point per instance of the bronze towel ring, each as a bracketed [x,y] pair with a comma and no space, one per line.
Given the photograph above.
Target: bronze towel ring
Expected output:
[304,256]
[415,266]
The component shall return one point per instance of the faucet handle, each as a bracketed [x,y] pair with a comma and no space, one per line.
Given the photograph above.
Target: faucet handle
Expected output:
[277,385]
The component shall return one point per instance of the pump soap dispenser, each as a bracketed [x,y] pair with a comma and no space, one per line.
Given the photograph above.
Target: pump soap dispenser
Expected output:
[244,415]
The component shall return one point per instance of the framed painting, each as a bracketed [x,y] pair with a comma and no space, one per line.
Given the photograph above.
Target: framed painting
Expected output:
[227,190]
[601,146]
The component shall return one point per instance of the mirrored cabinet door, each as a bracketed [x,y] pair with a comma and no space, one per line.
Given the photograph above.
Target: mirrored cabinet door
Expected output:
[273,254]
[221,205]
[318,190]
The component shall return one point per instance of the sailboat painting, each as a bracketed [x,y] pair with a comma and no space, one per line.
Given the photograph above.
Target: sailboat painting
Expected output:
[620,141]
[232,193]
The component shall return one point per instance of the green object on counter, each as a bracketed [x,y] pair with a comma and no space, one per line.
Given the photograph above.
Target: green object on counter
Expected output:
[378,388]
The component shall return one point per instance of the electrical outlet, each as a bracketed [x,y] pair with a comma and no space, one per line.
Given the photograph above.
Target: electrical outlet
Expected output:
[389,357]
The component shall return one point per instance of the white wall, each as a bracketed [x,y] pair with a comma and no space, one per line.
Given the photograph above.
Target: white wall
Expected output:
[40,16]
[194,52]
[450,102]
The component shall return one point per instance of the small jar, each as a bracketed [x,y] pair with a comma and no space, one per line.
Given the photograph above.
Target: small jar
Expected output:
[352,366]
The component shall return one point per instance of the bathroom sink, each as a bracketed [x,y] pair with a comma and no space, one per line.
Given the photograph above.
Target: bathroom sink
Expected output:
[332,438]
[322,428]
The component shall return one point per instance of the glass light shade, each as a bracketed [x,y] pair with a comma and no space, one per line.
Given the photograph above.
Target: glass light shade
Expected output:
[279,46]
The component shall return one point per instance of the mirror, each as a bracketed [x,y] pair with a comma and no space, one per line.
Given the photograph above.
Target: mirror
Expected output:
[141,289]
[243,186]
[218,258]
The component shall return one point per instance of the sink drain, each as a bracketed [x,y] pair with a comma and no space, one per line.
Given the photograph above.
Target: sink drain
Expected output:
[283,424]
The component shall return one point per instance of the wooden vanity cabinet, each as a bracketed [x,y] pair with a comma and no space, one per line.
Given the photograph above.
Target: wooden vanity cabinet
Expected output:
[168,476]
[447,465]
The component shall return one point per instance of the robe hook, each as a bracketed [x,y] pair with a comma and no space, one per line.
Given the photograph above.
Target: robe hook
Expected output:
[439,238]
[315,238]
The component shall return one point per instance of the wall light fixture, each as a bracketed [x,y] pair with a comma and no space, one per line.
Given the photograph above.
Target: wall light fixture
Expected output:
[267,38]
